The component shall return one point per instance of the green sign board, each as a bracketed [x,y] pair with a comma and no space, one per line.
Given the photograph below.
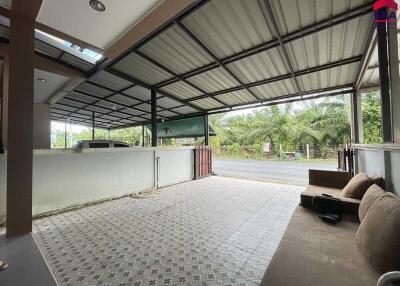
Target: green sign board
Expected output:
[182,128]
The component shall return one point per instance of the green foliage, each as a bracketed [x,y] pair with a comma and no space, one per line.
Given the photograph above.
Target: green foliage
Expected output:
[321,124]
[371,116]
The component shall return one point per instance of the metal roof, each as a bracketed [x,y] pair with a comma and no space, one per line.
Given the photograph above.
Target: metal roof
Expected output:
[225,54]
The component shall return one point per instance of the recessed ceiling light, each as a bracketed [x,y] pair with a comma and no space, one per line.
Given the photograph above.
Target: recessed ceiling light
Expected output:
[42,79]
[97,5]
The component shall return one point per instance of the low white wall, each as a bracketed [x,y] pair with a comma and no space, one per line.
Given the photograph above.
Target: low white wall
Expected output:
[382,160]
[63,178]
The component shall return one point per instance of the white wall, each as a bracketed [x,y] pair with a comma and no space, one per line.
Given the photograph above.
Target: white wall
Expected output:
[63,178]
[382,160]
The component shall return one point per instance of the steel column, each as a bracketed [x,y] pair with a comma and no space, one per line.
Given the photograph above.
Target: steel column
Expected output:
[356,118]
[206,130]
[93,126]
[384,76]
[154,138]
[65,135]
[143,136]
[394,80]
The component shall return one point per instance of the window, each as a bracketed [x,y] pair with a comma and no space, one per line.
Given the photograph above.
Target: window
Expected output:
[99,145]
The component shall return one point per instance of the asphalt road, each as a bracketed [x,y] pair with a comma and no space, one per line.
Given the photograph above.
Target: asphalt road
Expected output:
[287,172]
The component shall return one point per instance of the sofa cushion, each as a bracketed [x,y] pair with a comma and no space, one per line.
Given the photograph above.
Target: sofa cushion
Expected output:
[373,193]
[350,206]
[314,253]
[379,235]
[357,186]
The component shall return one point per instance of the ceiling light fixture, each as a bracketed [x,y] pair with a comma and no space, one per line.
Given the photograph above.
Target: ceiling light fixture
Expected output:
[97,5]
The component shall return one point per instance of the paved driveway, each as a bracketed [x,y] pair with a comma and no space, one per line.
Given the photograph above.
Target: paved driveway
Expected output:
[287,172]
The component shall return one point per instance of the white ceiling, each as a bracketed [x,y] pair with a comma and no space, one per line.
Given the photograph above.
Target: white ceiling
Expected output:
[43,90]
[101,29]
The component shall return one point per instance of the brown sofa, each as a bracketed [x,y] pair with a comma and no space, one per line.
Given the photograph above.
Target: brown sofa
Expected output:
[331,183]
[313,252]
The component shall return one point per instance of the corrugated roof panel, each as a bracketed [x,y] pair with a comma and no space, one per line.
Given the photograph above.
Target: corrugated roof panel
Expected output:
[260,66]
[371,77]
[185,110]
[141,69]
[119,98]
[138,119]
[176,51]
[236,97]
[166,113]
[139,92]
[119,114]
[229,26]
[97,109]
[81,116]
[71,102]
[144,106]
[94,90]
[111,118]
[110,81]
[166,102]
[293,15]
[87,112]
[339,42]
[76,62]
[81,97]
[214,80]
[107,105]
[127,121]
[47,49]
[207,103]
[132,111]
[60,111]
[329,78]
[275,89]
[181,89]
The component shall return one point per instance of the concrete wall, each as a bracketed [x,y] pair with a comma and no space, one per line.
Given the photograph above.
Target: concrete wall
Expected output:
[41,126]
[382,160]
[63,178]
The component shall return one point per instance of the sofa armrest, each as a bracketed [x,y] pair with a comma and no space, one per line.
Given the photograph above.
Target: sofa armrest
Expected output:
[329,179]
[387,279]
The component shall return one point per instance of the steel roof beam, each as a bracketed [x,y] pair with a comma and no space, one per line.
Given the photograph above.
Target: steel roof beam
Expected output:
[145,85]
[131,97]
[286,76]
[211,54]
[282,47]
[367,55]
[176,75]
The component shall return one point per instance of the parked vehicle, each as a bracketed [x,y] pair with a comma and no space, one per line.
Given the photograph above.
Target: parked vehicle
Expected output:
[89,144]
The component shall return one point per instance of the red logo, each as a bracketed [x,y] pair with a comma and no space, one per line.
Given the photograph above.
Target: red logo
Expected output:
[385,11]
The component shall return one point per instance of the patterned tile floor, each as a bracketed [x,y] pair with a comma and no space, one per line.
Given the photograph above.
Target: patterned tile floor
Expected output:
[215,231]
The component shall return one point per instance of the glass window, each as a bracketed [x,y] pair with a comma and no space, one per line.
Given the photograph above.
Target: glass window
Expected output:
[99,145]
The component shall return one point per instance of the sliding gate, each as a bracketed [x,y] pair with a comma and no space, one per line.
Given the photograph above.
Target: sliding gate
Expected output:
[202,162]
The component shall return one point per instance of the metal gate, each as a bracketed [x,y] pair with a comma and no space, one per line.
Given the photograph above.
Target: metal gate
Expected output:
[202,162]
